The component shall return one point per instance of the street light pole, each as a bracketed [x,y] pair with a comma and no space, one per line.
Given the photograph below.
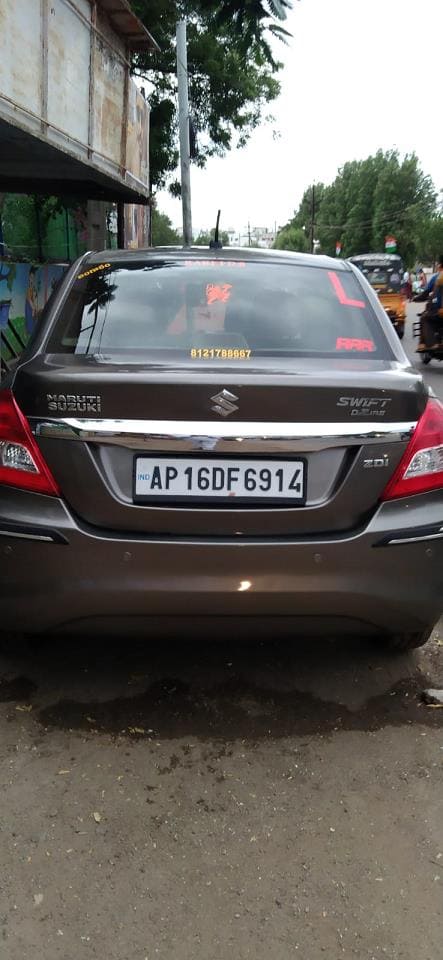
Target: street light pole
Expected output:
[183,120]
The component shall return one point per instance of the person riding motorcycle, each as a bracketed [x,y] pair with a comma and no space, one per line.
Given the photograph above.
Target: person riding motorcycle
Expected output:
[431,320]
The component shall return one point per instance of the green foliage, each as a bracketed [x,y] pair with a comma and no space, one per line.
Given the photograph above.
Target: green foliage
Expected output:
[312,197]
[38,228]
[231,74]
[403,197]
[250,18]
[292,237]
[19,224]
[296,234]
[430,241]
[369,199]
[163,233]
[204,238]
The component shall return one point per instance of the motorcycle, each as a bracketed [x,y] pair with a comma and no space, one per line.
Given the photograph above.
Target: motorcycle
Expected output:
[436,352]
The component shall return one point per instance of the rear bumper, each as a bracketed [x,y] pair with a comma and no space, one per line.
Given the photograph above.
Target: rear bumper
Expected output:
[82,579]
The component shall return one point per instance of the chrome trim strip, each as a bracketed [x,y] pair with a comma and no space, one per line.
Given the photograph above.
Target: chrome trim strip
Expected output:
[226,437]
[25,536]
[429,536]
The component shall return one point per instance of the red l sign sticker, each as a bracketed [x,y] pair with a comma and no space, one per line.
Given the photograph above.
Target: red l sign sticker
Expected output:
[340,292]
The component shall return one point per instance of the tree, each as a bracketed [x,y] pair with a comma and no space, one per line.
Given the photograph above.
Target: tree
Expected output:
[204,238]
[403,197]
[249,17]
[296,235]
[309,206]
[36,227]
[20,226]
[430,241]
[291,237]
[232,74]
[369,199]
[163,233]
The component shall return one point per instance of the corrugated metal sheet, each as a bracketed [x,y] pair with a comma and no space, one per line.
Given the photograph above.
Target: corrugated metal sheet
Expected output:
[64,79]
[69,44]
[137,136]
[21,52]
[109,108]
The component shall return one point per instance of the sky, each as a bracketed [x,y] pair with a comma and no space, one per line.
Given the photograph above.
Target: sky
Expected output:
[358,75]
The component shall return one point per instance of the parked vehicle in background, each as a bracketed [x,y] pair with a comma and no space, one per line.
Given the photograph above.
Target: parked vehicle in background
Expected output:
[219,435]
[384,272]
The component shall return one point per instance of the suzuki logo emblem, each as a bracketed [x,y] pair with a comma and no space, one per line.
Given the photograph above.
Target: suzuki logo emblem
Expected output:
[223,403]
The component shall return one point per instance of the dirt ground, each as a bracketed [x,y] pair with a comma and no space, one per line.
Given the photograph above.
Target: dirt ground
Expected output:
[196,800]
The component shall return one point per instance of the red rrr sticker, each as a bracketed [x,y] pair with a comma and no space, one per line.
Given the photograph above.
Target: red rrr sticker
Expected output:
[218,293]
[351,343]
[341,294]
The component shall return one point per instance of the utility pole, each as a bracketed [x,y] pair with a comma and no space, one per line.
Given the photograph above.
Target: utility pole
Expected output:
[311,232]
[249,234]
[183,120]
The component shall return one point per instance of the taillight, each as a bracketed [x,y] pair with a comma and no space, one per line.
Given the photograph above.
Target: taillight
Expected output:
[421,467]
[21,463]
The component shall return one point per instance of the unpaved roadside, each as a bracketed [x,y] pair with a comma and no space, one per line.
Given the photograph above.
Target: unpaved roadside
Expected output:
[195,801]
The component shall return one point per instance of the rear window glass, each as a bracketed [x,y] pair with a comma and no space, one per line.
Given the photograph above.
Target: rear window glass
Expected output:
[216,310]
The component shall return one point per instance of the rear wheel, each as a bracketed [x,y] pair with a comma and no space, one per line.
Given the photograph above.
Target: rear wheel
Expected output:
[425,358]
[400,331]
[402,642]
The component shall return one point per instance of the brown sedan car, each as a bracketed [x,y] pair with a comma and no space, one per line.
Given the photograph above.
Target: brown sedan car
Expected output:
[219,436]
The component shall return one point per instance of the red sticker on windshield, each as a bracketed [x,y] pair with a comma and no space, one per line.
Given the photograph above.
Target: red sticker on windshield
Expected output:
[215,263]
[341,294]
[218,293]
[352,343]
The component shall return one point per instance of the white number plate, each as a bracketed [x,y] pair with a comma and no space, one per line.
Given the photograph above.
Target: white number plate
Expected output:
[179,478]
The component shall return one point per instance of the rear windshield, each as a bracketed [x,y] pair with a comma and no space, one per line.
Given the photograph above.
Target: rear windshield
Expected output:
[216,310]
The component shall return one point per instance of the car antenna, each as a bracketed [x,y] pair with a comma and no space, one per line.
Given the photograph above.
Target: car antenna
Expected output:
[216,244]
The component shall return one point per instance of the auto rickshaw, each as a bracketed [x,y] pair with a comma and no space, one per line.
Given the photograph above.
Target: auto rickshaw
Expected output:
[384,271]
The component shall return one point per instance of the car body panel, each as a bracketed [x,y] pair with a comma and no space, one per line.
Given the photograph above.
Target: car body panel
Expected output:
[92,576]
[96,555]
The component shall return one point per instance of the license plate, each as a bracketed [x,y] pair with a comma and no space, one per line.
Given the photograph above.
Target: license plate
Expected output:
[180,478]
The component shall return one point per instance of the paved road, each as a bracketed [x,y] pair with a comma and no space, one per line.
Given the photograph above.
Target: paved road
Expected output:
[433,373]
[201,800]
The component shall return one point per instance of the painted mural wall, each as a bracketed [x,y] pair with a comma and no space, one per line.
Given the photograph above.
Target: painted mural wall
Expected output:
[24,290]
